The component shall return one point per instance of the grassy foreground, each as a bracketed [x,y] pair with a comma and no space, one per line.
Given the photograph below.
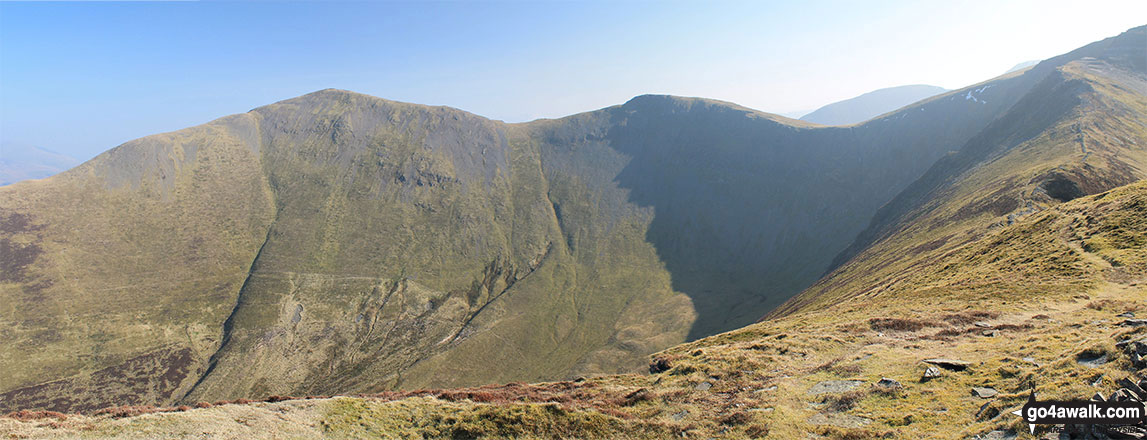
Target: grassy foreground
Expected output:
[809,374]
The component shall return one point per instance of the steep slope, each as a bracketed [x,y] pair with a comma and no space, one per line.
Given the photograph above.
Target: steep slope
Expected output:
[1080,131]
[340,243]
[403,231]
[871,104]
[817,374]
[373,245]
[118,273]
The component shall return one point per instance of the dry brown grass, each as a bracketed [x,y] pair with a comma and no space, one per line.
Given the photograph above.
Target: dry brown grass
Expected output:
[119,412]
[970,316]
[898,324]
[846,400]
[1114,305]
[836,366]
[26,415]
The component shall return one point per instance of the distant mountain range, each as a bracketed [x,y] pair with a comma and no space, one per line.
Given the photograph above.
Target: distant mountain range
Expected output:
[871,104]
[1022,66]
[21,162]
[917,273]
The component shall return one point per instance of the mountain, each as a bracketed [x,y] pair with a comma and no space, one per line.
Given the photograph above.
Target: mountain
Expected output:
[796,114]
[871,104]
[1088,107]
[338,243]
[1022,66]
[848,371]
[21,162]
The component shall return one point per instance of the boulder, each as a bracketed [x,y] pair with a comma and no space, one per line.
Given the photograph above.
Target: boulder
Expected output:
[1091,361]
[1132,386]
[949,364]
[889,383]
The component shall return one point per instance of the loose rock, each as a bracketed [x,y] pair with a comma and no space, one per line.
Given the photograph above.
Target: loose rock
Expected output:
[984,392]
[1132,386]
[1092,362]
[949,364]
[889,383]
[998,435]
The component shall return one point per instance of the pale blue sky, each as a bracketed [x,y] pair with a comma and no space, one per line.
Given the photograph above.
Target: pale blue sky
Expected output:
[80,78]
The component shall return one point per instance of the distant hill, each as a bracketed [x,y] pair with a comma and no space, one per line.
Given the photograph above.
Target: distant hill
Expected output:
[1022,66]
[871,104]
[21,162]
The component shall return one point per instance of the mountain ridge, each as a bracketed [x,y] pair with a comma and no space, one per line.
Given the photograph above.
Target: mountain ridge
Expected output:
[341,243]
[871,105]
[21,162]
[895,208]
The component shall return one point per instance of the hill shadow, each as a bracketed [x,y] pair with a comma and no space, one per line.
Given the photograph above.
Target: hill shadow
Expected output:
[732,222]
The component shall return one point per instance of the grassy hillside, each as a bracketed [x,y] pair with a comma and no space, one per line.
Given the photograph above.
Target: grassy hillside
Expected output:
[814,374]
[1083,130]
[341,243]
[117,274]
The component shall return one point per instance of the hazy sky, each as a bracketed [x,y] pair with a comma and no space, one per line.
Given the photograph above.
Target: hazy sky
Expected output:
[80,78]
